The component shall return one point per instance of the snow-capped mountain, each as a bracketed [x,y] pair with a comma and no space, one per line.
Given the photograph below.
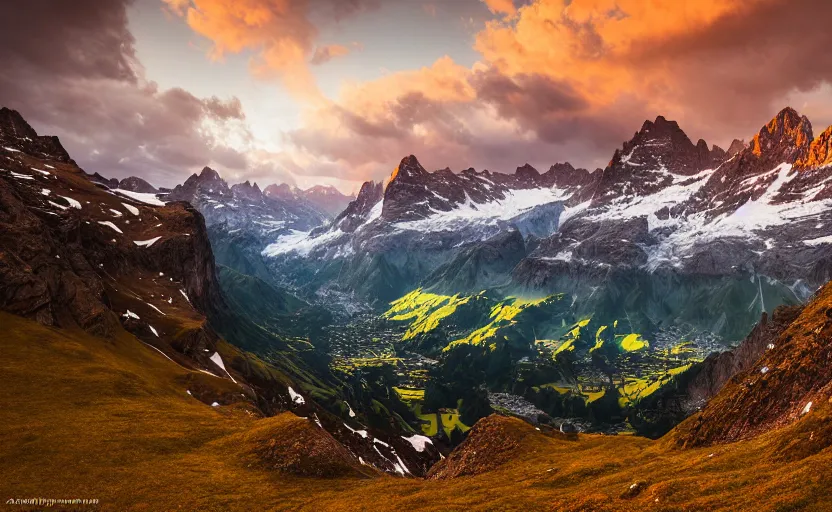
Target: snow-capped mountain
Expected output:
[244,205]
[395,235]
[327,199]
[667,224]
[723,244]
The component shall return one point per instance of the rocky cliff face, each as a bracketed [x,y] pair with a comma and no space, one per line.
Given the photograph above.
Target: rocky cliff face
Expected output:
[819,154]
[788,381]
[715,371]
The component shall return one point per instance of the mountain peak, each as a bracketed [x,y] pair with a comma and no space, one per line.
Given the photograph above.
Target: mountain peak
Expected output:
[12,123]
[661,125]
[820,152]
[409,166]
[281,190]
[788,132]
[136,184]
[15,131]
[527,171]
[736,146]
[208,174]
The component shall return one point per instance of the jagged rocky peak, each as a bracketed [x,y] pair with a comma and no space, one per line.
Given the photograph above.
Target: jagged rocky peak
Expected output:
[736,146]
[527,172]
[357,212]
[564,175]
[409,167]
[17,133]
[208,181]
[819,153]
[208,174]
[283,190]
[787,137]
[136,184]
[247,191]
[648,162]
[663,143]
[12,124]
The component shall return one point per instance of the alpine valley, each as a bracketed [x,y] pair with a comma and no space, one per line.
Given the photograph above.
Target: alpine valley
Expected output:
[653,335]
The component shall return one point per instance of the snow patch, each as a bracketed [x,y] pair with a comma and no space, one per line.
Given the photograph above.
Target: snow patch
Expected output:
[130,314]
[110,225]
[154,307]
[362,433]
[20,176]
[418,442]
[153,330]
[217,359]
[300,242]
[296,398]
[130,208]
[72,202]
[814,242]
[146,243]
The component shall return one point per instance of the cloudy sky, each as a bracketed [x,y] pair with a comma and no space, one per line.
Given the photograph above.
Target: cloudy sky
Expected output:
[338,91]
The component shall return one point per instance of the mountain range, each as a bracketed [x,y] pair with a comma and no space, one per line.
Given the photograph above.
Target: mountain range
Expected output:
[484,330]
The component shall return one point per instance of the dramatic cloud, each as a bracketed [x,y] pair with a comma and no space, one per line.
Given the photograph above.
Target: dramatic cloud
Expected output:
[555,80]
[279,33]
[74,73]
[571,79]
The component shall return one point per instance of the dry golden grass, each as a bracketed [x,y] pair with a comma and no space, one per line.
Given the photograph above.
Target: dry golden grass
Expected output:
[90,418]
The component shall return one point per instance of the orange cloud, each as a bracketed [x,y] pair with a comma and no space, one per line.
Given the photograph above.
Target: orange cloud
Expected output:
[567,79]
[557,79]
[277,32]
[501,6]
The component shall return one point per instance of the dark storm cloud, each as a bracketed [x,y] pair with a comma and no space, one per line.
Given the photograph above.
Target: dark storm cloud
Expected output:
[70,69]
[733,72]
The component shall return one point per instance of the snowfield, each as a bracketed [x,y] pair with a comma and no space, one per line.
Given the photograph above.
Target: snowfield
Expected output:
[466,215]
[150,199]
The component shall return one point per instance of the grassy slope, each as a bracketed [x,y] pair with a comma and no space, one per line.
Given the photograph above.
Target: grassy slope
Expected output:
[84,417]
[255,297]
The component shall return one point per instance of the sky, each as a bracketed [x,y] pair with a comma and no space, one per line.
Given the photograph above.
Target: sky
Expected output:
[338,91]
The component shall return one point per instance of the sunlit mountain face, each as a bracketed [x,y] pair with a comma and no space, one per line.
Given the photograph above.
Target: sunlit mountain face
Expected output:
[374,255]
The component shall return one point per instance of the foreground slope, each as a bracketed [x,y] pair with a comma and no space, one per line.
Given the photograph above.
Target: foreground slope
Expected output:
[116,423]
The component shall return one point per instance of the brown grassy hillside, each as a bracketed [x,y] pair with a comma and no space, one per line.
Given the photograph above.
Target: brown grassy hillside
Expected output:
[89,418]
